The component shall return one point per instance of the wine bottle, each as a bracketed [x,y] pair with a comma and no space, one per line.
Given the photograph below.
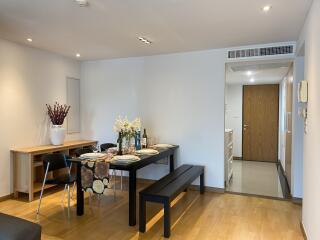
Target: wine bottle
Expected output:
[119,143]
[144,141]
[137,140]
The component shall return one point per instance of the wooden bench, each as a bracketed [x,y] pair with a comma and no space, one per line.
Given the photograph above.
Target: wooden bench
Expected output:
[167,189]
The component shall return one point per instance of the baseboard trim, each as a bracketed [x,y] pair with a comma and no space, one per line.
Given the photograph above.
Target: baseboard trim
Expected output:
[296,200]
[208,189]
[303,231]
[258,161]
[283,181]
[192,187]
[144,180]
[237,158]
[4,198]
[258,196]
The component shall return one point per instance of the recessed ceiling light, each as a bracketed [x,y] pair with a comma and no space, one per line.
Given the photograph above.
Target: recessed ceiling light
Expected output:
[29,39]
[267,8]
[82,3]
[78,55]
[144,40]
[251,80]
[249,73]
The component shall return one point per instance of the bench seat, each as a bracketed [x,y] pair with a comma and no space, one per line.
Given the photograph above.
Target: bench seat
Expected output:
[166,189]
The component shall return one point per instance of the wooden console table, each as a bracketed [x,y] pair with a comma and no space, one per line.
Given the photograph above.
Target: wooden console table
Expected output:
[28,167]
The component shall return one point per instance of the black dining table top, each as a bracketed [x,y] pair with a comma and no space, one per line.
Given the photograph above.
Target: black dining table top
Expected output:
[144,159]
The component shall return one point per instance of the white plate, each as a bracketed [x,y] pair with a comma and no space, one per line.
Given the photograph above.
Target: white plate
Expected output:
[163,145]
[112,150]
[92,155]
[147,151]
[125,158]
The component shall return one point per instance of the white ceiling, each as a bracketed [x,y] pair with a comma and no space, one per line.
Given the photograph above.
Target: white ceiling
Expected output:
[110,28]
[261,73]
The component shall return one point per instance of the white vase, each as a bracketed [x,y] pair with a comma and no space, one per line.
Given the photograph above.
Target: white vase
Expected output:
[57,134]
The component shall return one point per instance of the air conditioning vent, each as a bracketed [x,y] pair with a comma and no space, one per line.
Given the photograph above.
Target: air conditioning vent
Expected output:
[260,52]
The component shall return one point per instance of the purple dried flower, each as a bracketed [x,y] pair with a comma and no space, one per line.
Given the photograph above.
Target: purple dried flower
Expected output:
[57,113]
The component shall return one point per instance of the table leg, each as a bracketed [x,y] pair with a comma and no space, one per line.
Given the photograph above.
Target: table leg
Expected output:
[171,162]
[14,168]
[132,197]
[80,197]
[30,165]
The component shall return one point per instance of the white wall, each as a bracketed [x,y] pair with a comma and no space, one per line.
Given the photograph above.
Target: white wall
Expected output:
[109,88]
[183,103]
[283,118]
[282,111]
[296,74]
[234,115]
[297,132]
[180,98]
[29,79]
[310,36]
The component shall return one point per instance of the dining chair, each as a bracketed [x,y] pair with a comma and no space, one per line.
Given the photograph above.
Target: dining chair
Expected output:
[79,151]
[52,162]
[104,147]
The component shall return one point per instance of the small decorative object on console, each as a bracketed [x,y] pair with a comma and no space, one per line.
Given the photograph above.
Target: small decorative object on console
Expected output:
[57,113]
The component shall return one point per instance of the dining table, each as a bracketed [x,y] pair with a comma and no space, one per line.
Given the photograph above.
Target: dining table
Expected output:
[131,167]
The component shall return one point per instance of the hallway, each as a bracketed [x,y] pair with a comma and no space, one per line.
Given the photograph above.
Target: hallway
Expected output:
[259,178]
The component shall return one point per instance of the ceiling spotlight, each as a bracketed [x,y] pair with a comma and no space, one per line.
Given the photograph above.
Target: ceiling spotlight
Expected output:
[78,55]
[144,40]
[29,39]
[82,3]
[252,80]
[249,73]
[267,8]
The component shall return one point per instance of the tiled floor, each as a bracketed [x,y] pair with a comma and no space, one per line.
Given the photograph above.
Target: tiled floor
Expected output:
[260,178]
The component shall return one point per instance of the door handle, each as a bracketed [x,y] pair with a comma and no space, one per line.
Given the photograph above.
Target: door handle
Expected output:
[245,125]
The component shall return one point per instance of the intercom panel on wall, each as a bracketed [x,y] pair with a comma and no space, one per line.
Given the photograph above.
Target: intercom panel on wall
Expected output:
[303,91]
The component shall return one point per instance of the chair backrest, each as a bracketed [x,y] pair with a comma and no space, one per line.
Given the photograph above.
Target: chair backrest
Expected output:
[55,160]
[81,151]
[106,146]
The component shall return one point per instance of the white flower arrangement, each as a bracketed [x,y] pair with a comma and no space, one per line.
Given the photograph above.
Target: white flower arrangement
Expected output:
[127,128]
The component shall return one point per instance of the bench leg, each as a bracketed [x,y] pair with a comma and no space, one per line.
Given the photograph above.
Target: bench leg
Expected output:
[166,219]
[202,183]
[142,214]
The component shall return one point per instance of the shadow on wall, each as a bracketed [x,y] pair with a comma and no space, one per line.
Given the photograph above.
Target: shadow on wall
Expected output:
[88,131]
[43,135]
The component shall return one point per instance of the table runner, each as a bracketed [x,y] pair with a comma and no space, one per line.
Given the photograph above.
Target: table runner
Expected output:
[95,175]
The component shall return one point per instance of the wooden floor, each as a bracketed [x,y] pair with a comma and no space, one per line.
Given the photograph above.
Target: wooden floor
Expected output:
[194,216]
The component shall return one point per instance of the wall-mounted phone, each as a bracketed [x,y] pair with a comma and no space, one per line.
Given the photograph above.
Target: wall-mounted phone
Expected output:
[303,98]
[303,91]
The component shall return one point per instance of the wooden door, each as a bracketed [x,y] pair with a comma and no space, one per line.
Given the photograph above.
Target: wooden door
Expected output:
[260,122]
